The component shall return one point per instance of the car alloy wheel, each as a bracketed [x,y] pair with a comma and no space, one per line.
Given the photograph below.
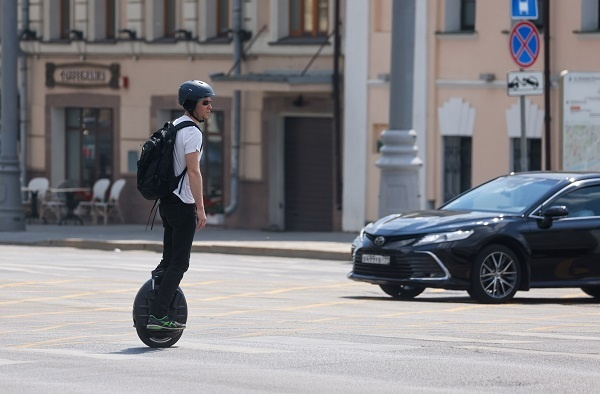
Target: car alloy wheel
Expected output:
[496,275]
[402,292]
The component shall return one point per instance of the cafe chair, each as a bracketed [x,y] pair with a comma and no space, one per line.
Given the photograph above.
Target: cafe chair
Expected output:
[55,203]
[110,206]
[99,191]
[35,193]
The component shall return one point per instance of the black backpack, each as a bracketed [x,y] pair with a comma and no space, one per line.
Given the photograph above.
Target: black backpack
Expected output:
[155,173]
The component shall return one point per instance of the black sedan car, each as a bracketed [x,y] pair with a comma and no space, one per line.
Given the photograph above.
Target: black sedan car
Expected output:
[515,232]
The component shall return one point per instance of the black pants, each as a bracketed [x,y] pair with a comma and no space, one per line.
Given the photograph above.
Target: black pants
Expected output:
[179,222]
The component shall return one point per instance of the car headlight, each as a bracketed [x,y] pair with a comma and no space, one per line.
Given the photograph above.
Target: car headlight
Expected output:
[444,237]
[362,234]
[357,242]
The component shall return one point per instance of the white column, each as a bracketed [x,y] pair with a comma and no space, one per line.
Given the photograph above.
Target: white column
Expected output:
[356,49]
[420,95]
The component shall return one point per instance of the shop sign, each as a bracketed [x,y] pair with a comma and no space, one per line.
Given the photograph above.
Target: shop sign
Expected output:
[82,75]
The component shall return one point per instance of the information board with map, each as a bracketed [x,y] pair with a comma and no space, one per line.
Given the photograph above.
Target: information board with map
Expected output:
[580,92]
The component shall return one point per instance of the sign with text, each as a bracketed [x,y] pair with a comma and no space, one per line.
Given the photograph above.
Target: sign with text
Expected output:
[82,75]
[580,120]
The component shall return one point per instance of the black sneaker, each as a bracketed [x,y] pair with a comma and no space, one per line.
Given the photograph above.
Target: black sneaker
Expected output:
[164,323]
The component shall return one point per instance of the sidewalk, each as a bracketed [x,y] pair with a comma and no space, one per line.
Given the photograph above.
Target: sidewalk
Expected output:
[331,246]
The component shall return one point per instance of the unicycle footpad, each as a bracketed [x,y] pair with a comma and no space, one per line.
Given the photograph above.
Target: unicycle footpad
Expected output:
[177,311]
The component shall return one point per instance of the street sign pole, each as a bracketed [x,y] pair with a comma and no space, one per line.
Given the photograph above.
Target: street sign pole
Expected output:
[524,152]
[524,44]
[524,83]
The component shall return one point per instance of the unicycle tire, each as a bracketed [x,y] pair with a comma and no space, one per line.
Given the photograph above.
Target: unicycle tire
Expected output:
[177,311]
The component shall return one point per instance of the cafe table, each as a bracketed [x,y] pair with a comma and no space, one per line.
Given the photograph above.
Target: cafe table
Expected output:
[71,203]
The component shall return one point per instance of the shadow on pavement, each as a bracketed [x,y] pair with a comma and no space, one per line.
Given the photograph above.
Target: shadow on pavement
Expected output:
[467,300]
[139,350]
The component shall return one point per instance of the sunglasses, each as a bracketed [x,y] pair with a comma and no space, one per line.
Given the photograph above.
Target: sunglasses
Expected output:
[206,102]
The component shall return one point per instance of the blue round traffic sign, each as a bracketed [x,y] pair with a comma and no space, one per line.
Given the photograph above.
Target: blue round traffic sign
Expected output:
[524,43]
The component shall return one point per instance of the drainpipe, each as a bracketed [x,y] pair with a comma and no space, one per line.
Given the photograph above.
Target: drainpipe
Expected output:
[23,95]
[547,87]
[235,143]
[337,123]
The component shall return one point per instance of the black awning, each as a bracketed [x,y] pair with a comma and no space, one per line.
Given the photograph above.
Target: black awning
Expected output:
[278,81]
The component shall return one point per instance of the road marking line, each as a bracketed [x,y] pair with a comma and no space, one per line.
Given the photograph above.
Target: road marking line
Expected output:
[38,299]
[71,340]
[530,352]
[270,292]
[562,326]
[441,338]
[4,361]
[278,291]
[70,312]
[79,353]
[545,317]
[232,349]
[323,319]
[19,284]
[270,332]
[551,336]
[48,328]
[456,309]
[330,344]
[299,307]
[319,305]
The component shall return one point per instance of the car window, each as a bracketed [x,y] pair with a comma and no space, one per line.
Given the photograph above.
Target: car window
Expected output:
[584,202]
[510,194]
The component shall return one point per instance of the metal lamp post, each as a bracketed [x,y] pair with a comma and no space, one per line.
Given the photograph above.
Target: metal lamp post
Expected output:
[399,163]
[11,212]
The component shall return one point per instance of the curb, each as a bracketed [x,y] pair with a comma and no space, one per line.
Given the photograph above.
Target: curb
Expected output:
[272,252]
[155,246]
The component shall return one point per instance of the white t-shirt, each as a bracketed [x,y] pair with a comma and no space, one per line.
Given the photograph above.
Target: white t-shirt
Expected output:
[188,140]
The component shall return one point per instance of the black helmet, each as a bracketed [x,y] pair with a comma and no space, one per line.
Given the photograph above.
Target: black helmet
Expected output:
[191,92]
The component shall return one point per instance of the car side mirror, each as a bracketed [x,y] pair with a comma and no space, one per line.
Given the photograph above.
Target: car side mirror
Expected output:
[551,214]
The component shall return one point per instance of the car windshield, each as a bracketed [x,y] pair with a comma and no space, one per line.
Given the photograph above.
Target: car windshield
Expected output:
[509,194]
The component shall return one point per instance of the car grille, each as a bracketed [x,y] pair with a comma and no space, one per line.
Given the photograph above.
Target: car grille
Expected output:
[402,266]
[403,239]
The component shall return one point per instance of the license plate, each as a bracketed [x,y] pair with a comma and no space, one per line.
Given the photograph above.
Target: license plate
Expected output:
[375,259]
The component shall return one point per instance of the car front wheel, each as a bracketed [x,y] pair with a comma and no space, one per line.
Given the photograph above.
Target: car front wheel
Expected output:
[496,275]
[594,291]
[402,292]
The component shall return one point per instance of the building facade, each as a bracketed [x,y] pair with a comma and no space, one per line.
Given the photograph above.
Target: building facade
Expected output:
[294,137]
[468,127]
[101,75]
[474,124]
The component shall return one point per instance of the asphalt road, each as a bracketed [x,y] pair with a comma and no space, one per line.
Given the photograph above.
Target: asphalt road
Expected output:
[277,325]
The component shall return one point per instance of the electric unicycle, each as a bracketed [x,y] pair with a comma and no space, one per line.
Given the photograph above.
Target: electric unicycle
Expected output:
[141,304]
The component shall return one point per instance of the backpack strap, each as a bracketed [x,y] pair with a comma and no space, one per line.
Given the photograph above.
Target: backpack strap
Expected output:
[155,209]
[186,123]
